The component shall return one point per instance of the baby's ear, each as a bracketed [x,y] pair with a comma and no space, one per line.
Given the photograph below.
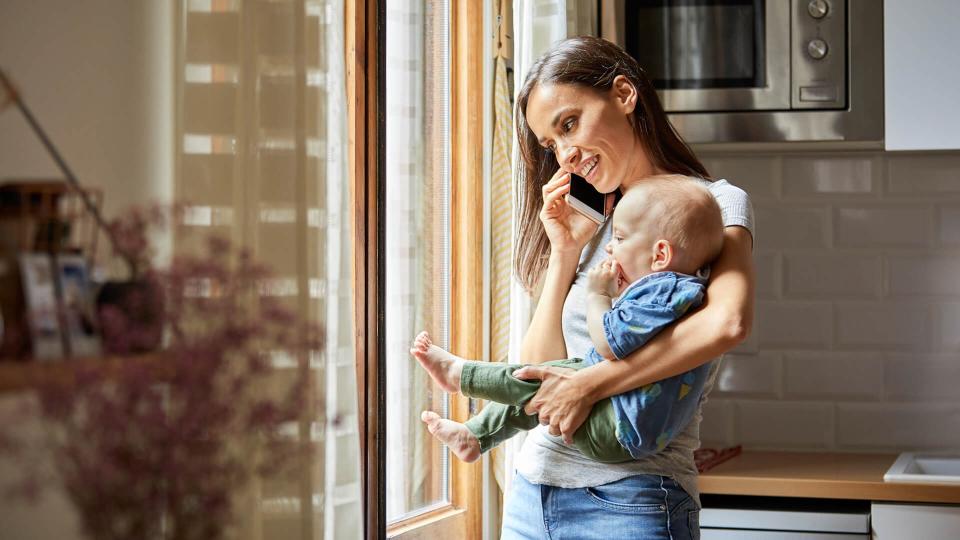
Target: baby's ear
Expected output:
[662,255]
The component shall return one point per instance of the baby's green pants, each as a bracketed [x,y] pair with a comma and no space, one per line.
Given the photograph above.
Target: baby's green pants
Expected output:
[503,417]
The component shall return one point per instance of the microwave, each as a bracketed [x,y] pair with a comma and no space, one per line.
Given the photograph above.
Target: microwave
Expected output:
[759,70]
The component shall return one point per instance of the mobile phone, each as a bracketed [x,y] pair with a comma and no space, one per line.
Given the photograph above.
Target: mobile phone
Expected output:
[587,200]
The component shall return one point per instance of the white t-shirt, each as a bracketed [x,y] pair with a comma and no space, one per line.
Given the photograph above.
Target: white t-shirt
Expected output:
[545,459]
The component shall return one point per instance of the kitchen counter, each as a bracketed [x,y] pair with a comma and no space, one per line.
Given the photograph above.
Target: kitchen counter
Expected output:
[818,475]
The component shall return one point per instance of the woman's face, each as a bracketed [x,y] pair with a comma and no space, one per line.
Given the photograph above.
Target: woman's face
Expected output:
[589,131]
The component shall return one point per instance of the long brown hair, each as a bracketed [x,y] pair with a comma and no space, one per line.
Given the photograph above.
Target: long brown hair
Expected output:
[592,63]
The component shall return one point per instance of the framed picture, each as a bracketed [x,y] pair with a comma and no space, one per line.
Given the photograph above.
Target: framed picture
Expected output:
[40,295]
[76,296]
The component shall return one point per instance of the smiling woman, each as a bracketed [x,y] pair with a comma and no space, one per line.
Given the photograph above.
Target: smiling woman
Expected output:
[586,107]
[575,123]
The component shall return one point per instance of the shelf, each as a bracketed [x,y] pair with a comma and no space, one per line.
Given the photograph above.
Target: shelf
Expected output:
[21,376]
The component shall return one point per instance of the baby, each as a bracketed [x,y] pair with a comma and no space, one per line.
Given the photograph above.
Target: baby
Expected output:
[665,230]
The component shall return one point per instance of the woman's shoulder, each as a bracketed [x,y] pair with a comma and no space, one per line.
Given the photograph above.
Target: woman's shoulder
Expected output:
[723,188]
[734,202]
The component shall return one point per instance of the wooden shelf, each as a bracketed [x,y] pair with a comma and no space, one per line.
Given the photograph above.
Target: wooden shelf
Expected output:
[22,376]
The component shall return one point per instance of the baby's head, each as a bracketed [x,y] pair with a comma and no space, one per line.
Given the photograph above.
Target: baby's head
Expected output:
[665,223]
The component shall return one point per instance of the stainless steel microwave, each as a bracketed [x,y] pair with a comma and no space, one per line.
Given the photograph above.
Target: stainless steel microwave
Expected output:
[759,70]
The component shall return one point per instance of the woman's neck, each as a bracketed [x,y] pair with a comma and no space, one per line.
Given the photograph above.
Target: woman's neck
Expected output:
[642,167]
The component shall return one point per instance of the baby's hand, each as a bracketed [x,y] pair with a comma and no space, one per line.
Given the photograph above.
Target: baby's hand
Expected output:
[602,278]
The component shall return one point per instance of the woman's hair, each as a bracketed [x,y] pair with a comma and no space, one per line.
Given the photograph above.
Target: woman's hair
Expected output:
[592,63]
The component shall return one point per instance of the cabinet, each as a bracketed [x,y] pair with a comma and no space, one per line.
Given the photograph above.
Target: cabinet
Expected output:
[731,517]
[892,521]
[921,74]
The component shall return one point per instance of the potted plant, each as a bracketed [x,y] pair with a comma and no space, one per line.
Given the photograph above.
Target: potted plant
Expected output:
[160,446]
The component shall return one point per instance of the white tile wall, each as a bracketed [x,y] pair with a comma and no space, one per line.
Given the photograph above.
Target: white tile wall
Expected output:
[949,225]
[831,176]
[768,277]
[883,325]
[832,275]
[898,425]
[827,376]
[918,377]
[920,173]
[783,228]
[783,424]
[884,225]
[856,340]
[717,424]
[782,324]
[756,375]
[914,275]
[949,329]
[755,175]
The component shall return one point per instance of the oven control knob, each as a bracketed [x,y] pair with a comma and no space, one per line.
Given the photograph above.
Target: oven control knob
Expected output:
[818,8]
[817,49]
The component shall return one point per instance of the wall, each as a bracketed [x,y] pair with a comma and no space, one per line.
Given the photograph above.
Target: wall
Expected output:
[98,75]
[856,341]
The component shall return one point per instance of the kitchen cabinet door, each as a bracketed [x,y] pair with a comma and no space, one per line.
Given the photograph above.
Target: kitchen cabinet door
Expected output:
[891,521]
[921,74]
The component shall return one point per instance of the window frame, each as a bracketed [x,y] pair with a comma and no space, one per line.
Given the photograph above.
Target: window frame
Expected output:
[365,103]
[365,35]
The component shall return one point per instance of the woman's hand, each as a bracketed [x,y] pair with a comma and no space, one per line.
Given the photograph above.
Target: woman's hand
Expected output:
[561,401]
[568,230]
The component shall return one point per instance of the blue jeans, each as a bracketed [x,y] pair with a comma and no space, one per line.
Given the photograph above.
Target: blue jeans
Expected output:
[644,507]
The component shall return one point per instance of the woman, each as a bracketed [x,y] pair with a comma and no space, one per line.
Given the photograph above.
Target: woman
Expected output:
[587,107]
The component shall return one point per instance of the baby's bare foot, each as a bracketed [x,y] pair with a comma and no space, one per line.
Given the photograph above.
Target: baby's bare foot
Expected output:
[455,435]
[443,367]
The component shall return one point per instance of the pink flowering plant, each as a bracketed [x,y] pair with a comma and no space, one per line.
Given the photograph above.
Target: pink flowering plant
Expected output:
[159,445]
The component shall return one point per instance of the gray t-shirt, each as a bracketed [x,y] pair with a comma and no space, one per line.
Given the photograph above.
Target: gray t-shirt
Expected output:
[545,459]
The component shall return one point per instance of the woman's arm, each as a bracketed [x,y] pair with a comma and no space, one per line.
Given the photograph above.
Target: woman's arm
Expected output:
[725,320]
[568,232]
[544,338]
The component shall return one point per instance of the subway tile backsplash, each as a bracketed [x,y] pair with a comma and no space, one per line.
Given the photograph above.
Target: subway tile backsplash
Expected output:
[783,423]
[856,339]
[786,325]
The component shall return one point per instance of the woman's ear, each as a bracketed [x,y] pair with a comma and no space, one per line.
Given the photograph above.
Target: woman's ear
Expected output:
[662,255]
[625,94]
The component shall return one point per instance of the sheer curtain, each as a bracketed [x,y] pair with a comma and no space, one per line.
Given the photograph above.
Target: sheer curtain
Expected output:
[537,24]
[261,158]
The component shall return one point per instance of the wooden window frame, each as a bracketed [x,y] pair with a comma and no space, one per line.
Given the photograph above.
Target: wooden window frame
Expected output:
[365,36]
[364,73]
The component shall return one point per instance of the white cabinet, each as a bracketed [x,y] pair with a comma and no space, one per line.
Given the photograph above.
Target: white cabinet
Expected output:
[922,75]
[893,521]
[725,517]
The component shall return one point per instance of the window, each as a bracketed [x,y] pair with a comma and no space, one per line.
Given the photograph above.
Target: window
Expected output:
[431,250]
[417,247]
[431,512]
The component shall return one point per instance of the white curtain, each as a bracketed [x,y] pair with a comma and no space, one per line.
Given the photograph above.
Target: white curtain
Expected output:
[262,158]
[537,24]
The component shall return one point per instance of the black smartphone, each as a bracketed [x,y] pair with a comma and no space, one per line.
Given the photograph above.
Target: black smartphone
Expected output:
[587,200]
